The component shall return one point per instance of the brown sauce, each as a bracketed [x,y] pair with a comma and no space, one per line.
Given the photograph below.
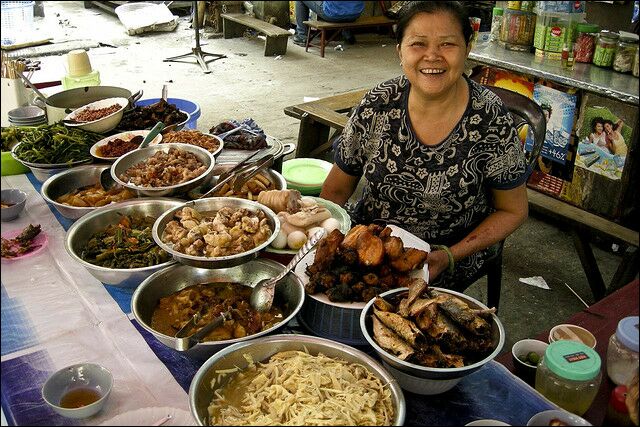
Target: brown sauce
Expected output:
[79,397]
[211,299]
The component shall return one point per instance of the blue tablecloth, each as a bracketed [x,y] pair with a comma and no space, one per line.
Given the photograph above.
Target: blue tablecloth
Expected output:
[491,392]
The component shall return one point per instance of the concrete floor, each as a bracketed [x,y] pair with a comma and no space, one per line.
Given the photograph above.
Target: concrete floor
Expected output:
[248,84]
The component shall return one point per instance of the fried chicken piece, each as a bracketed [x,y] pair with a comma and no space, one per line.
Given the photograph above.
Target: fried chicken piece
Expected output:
[393,247]
[411,259]
[370,249]
[327,249]
[351,239]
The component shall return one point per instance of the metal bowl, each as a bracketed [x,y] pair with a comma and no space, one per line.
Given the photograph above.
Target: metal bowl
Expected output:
[79,234]
[276,178]
[423,379]
[201,393]
[136,156]
[211,205]
[68,180]
[176,277]
[44,166]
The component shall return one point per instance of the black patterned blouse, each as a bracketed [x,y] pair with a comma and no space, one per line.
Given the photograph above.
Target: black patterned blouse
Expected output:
[440,192]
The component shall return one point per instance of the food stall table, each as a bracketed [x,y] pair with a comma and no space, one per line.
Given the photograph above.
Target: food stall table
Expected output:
[601,319]
[54,314]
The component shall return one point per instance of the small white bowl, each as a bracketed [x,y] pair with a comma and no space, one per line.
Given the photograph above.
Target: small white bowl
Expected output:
[572,333]
[544,418]
[126,136]
[81,376]
[103,124]
[16,198]
[527,371]
[487,422]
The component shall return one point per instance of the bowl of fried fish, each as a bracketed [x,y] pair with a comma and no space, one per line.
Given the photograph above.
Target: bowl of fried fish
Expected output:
[430,338]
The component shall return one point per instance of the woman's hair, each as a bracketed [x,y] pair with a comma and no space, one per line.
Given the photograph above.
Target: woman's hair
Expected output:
[455,8]
[547,107]
[595,121]
[609,122]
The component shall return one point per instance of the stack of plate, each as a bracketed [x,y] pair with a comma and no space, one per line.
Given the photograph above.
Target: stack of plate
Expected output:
[306,175]
[27,116]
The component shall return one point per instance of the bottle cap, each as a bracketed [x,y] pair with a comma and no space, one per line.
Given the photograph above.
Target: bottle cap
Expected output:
[584,27]
[627,332]
[572,360]
[78,63]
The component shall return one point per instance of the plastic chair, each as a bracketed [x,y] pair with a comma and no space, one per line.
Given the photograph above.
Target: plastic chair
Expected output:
[525,111]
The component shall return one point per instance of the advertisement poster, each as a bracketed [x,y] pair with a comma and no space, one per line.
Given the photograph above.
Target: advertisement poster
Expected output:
[604,139]
[559,109]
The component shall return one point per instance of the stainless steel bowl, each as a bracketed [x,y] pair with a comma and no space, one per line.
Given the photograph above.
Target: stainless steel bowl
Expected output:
[136,156]
[279,183]
[176,277]
[201,393]
[210,206]
[79,234]
[68,180]
[14,154]
[423,379]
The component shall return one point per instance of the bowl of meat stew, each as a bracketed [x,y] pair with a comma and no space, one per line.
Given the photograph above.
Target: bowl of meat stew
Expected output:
[168,298]
[430,338]
[163,170]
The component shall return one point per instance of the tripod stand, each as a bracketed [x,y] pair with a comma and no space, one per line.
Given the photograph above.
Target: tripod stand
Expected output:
[197,52]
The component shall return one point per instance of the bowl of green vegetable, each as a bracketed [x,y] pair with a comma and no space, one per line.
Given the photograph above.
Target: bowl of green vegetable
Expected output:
[526,355]
[44,149]
[115,243]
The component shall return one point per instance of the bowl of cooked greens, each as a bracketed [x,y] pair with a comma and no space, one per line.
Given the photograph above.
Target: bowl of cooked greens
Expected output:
[53,147]
[115,243]
[9,139]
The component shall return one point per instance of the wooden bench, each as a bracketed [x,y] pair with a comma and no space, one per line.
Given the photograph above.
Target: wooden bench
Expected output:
[317,118]
[235,24]
[328,31]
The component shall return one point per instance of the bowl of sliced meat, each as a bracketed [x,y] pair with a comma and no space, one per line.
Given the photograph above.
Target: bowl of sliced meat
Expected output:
[430,338]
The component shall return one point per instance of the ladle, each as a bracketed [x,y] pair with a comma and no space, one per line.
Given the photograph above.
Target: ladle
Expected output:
[263,292]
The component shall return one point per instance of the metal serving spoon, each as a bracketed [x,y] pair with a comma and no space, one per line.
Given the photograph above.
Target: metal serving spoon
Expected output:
[263,292]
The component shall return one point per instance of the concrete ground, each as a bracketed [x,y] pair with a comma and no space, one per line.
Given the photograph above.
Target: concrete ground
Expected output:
[248,84]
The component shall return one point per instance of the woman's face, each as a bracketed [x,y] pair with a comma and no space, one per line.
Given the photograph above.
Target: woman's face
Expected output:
[607,127]
[432,53]
[599,128]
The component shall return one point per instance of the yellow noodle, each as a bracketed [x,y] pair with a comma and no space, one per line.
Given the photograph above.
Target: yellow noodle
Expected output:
[296,388]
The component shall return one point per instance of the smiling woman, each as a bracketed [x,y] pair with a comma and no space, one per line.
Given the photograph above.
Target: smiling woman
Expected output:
[437,153]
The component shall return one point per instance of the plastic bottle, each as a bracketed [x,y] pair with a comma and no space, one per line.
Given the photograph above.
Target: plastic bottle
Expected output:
[622,353]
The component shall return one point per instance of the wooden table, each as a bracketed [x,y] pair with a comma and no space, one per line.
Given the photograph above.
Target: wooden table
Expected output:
[318,118]
[601,319]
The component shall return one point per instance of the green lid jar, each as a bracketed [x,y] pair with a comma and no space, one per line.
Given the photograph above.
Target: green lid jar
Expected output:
[585,44]
[569,375]
[605,48]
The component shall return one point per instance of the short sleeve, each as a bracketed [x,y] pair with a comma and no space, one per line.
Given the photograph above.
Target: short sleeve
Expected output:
[348,148]
[506,166]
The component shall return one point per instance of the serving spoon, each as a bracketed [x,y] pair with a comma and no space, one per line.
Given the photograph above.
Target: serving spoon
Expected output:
[263,292]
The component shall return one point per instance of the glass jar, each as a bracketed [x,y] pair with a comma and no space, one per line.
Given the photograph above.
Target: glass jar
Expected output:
[569,375]
[496,22]
[625,52]
[516,32]
[585,42]
[622,353]
[605,48]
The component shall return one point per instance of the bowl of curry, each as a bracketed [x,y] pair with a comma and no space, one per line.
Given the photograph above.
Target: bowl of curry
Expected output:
[167,299]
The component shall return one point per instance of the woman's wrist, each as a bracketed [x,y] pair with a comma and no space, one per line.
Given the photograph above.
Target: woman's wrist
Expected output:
[451,265]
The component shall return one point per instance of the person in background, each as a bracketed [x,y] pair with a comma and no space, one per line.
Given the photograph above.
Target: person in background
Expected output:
[438,154]
[330,11]
[597,135]
[615,140]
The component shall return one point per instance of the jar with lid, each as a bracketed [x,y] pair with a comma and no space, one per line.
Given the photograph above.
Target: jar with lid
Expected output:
[496,22]
[605,48]
[569,375]
[585,44]
[625,52]
[622,353]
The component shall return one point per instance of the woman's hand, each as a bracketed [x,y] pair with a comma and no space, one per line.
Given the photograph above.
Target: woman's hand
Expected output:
[438,261]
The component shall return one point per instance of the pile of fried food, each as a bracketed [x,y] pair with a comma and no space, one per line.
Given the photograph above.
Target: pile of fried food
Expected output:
[241,140]
[193,137]
[147,117]
[362,264]
[250,190]
[228,231]
[94,196]
[22,244]
[432,328]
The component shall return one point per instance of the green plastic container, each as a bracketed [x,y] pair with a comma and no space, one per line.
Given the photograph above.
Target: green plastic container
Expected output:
[11,166]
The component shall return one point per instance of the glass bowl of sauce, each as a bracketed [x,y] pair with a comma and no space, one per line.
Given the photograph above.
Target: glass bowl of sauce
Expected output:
[78,391]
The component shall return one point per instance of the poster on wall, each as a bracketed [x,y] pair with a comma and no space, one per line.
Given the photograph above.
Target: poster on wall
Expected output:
[559,108]
[604,139]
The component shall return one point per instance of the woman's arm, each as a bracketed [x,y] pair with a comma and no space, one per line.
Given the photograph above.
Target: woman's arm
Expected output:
[512,208]
[338,186]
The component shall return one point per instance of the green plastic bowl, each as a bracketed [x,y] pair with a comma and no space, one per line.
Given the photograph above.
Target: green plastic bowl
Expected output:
[11,166]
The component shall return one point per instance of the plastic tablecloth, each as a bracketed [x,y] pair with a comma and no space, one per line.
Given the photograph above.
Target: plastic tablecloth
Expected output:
[55,314]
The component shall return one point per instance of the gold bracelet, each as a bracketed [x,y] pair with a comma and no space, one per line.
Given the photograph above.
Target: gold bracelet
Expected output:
[449,256]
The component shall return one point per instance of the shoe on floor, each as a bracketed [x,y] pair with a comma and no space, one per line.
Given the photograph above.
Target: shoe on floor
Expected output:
[300,41]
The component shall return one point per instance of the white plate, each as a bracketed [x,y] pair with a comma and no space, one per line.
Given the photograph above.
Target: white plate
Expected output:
[337,212]
[409,240]
[126,136]
[148,416]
